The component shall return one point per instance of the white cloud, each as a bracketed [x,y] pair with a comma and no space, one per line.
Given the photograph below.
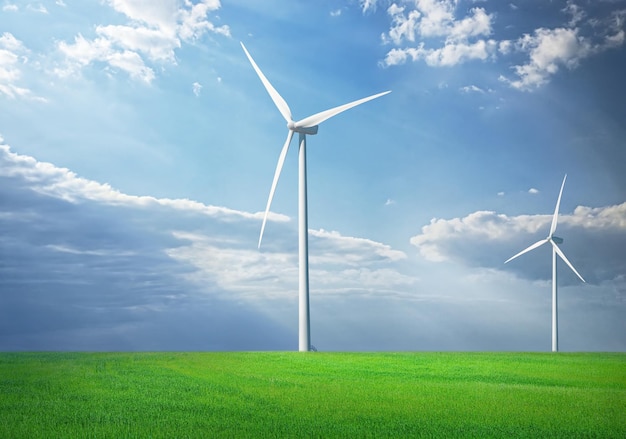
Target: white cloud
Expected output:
[250,273]
[455,40]
[533,191]
[41,9]
[149,275]
[472,89]
[13,56]
[505,47]
[433,31]
[155,14]
[433,18]
[154,43]
[10,7]
[449,55]
[335,13]
[132,63]
[194,23]
[197,87]
[595,239]
[219,243]
[366,5]
[549,49]
[351,250]
[339,264]
[576,13]
[404,27]
[50,180]
[11,44]
[478,24]
[84,52]
[152,34]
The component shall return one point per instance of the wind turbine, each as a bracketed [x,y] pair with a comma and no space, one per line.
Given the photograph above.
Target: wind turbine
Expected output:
[308,125]
[554,240]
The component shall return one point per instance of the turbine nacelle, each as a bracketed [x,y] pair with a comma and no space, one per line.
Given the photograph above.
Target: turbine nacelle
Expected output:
[556,240]
[293,126]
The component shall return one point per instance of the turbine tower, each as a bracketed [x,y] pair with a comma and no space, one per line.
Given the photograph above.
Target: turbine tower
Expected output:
[308,125]
[554,240]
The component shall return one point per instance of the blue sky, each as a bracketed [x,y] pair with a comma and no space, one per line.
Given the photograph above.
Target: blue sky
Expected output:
[138,148]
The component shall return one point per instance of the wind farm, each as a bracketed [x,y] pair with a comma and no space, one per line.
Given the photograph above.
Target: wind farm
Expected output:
[151,287]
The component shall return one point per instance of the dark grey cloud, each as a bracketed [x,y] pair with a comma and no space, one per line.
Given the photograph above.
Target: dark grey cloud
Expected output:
[90,276]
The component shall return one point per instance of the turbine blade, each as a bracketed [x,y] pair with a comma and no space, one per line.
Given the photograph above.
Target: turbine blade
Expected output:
[279,167]
[555,217]
[276,97]
[562,255]
[320,117]
[532,247]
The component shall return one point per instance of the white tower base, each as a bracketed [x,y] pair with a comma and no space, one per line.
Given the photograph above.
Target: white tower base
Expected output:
[304,334]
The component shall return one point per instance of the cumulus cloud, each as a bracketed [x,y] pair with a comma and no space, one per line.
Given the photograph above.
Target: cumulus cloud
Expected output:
[439,34]
[551,49]
[548,49]
[595,238]
[152,34]
[455,40]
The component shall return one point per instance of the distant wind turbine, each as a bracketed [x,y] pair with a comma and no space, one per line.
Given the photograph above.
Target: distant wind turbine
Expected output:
[554,240]
[308,125]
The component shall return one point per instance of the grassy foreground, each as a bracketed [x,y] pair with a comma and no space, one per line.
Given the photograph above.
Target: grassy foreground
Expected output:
[177,395]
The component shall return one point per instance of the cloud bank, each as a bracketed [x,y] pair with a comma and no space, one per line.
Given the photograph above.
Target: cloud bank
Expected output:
[442,33]
[85,266]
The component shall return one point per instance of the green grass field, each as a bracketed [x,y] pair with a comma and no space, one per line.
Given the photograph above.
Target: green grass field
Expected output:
[278,394]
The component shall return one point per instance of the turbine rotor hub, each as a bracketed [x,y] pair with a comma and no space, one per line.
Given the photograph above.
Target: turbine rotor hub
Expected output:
[304,130]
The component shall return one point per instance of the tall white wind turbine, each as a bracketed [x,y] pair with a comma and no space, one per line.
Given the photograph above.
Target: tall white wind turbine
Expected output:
[554,241]
[308,125]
